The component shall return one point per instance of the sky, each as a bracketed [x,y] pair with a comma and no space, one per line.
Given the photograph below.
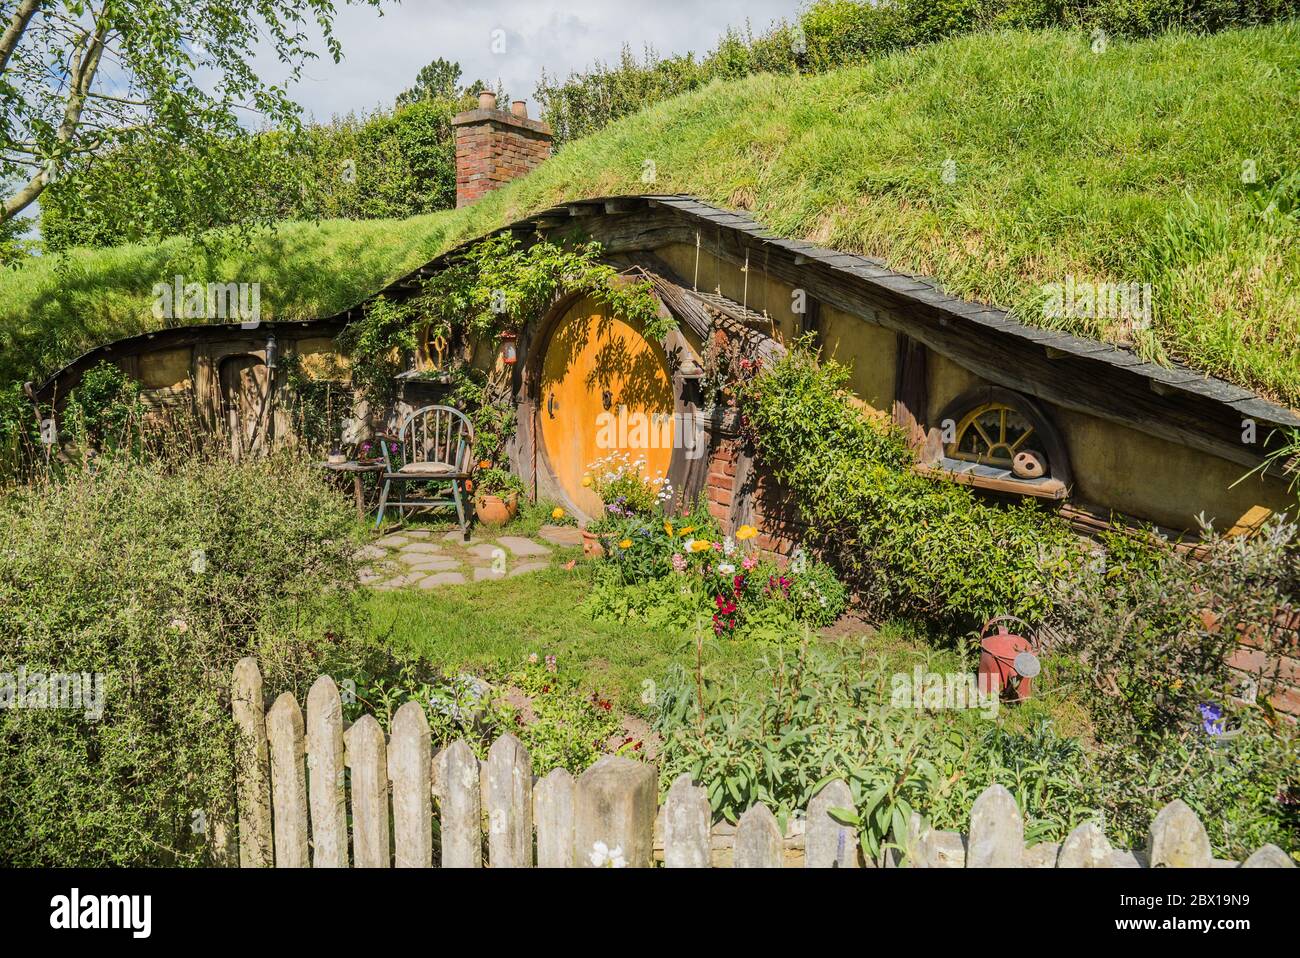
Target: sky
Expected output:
[510,40]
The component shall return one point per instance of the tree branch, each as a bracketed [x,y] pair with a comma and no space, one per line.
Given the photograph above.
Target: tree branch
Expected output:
[14,32]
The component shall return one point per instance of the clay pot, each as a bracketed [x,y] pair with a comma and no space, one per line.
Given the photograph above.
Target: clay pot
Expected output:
[487,100]
[591,547]
[495,510]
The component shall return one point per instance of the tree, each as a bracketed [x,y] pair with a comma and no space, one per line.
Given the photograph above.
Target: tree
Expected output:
[78,77]
[438,80]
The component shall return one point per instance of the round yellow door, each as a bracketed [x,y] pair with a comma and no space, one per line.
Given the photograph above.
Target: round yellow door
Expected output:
[604,390]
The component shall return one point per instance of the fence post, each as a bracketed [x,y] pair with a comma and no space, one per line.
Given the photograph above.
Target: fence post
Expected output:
[553,810]
[366,756]
[758,840]
[510,804]
[1269,856]
[410,769]
[615,805]
[329,820]
[253,766]
[1178,839]
[687,817]
[288,782]
[459,806]
[1085,847]
[997,831]
[828,843]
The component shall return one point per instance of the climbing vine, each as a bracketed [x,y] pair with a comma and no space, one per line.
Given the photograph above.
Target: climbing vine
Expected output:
[494,287]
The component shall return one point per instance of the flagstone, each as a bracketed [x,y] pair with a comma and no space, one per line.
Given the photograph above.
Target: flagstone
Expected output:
[528,567]
[442,578]
[561,535]
[524,547]
[392,542]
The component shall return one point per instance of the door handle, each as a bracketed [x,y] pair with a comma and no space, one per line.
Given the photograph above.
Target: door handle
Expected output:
[551,405]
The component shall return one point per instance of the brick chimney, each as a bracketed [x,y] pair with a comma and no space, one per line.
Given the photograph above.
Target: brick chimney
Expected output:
[494,147]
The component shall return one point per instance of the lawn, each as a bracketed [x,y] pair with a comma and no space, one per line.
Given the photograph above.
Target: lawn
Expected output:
[1123,166]
[490,628]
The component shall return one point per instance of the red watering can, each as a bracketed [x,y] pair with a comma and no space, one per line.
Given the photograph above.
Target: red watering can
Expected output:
[1008,662]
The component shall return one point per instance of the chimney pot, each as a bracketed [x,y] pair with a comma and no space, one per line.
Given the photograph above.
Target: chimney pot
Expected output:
[520,109]
[487,100]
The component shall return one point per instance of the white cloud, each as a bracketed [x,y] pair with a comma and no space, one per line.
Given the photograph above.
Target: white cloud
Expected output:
[382,54]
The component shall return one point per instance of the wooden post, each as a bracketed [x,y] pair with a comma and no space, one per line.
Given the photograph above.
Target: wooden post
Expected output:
[253,767]
[409,768]
[329,819]
[615,813]
[687,817]
[553,810]
[997,831]
[459,807]
[758,840]
[510,804]
[288,782]
[828,843]
[1178,839]
[366,756]
[1085,847]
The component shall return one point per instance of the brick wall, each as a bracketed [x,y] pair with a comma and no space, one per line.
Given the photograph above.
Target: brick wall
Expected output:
[739,492]
[494,147]
[1276,674]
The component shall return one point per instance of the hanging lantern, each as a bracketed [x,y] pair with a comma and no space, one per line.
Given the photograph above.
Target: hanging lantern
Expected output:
[509,354]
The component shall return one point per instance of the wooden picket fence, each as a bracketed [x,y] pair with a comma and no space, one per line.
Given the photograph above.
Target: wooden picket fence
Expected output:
[294,799]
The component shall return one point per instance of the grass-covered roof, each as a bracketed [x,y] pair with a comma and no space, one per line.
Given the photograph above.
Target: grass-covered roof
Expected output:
[1124,166]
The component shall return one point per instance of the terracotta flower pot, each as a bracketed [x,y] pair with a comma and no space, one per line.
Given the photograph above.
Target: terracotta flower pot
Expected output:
[591,547]
[496,510]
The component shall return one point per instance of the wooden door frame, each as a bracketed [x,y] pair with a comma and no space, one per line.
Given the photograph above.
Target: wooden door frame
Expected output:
[528,451]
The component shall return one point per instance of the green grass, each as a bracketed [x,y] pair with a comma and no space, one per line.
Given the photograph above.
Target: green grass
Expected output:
[492,627]
[1123,166]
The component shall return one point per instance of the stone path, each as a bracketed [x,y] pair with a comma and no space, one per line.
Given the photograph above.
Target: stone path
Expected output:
[419,558]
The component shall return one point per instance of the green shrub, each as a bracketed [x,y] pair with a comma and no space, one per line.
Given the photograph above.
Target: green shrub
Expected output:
[913,546]
[159,580]
[826,716]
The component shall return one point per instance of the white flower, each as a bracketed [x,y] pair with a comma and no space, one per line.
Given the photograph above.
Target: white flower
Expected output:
[726,568]
[728,546]
[688,545]
[602,856]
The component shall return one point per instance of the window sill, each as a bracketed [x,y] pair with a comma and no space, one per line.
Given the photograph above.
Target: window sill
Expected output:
[994,480]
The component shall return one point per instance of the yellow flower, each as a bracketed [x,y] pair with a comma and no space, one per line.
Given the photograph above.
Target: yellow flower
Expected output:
[699,545]
[668,528]
[625,544]
[557,513]
[586,481]
[688,530]
[746,532]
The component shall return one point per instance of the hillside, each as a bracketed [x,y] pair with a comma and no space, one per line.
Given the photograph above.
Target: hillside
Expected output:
[1123,166]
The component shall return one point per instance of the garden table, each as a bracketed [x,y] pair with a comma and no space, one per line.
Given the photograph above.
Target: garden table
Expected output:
[356,470]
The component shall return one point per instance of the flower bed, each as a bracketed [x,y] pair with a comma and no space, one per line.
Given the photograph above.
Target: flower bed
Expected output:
[683,571]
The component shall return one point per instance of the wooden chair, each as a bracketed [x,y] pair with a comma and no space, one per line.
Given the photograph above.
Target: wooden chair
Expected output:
[435,446]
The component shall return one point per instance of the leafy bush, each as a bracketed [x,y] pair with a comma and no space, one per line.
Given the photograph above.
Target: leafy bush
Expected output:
[913,546]
[159,580]
[826,716]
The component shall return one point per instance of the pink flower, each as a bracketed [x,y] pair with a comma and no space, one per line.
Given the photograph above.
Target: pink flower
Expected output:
[749,562]
[679,562]
[550,664]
